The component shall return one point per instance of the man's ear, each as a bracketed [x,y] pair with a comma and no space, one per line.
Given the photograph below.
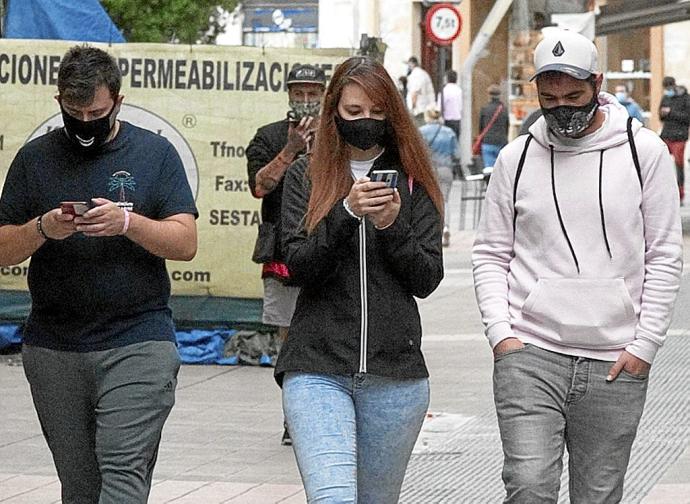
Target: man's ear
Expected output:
[118,103]
[598,81]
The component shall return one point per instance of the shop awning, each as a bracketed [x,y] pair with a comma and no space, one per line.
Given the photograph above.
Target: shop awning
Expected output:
[640,14]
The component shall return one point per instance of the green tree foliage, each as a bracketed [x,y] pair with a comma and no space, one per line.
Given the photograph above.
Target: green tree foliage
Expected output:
[178,21]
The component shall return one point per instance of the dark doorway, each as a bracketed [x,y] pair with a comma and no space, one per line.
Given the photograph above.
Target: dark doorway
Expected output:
[435,59]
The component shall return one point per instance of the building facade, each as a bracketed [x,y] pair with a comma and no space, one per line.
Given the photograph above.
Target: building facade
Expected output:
[640,41]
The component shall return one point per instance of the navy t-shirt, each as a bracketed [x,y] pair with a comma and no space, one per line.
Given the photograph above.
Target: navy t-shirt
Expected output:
[96,293]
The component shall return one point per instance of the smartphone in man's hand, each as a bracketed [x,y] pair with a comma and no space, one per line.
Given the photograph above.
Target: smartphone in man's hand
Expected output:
[74,207]
[390,177]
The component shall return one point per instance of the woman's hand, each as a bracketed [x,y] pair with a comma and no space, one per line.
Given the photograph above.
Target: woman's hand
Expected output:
[369,198]
[386,214]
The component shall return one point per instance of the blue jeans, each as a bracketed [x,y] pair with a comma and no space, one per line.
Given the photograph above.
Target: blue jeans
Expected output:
[353,435]
[546,401]
[490,154]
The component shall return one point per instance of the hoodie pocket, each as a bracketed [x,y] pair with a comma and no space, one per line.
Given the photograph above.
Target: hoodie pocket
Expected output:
[587,313]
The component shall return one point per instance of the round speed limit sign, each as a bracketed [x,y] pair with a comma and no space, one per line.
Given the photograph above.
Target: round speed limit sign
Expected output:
[443,23]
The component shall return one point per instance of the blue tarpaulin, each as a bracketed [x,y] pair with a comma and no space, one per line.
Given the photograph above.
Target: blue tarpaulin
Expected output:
[10,335]
[204,347]
[82,20]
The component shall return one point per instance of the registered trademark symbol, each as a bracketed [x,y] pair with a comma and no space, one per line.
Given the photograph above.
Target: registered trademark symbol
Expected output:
[189,121]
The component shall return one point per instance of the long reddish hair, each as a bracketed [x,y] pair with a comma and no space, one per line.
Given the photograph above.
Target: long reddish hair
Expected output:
[329,166]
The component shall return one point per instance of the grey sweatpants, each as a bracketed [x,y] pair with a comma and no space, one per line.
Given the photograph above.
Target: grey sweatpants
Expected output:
[102,414]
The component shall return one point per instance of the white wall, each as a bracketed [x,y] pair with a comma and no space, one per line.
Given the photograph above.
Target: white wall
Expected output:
[676,50]
[342,22]
[233,29]
[338,26]
[396,31]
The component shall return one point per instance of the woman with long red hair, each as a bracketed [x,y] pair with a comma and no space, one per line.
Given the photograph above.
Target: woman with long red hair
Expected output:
[355,384]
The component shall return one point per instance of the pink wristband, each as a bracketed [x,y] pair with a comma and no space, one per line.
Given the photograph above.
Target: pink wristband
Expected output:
[125,227]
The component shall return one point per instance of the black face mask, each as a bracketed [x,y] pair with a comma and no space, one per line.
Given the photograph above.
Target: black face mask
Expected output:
[88,136]
[361,133]
[570,121]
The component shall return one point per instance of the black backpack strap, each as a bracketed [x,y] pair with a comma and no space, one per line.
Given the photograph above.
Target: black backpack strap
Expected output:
[521,163]
[633,150]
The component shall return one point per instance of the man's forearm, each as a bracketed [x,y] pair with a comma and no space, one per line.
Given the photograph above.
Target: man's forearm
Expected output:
[172,238]
[268,177]
[17,243]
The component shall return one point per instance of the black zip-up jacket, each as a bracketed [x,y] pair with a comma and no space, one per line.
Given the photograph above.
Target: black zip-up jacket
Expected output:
[356,311]
[267,143]
[677,121]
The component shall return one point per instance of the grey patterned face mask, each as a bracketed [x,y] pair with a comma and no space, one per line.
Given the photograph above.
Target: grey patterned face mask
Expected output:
[570,121]
[300,109]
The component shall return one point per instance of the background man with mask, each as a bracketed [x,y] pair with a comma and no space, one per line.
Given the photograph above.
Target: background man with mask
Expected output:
[674,111]
[577,264]
[99,344]
[269,154]
[624,98]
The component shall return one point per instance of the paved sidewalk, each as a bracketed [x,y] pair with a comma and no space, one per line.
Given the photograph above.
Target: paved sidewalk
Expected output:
[222,441]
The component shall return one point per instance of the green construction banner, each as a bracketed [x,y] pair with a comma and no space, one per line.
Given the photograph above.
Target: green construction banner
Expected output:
[208,101]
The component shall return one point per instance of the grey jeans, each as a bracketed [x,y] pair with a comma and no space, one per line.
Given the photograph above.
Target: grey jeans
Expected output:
[102,414]
[546,401]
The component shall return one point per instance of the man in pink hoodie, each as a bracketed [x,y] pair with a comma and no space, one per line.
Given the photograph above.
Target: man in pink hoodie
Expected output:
[577,263]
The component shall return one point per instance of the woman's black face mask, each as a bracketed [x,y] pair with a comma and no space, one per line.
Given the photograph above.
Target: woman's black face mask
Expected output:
[361,133]
[88,136]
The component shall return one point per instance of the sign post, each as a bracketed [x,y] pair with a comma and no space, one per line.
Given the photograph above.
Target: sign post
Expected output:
[443,24]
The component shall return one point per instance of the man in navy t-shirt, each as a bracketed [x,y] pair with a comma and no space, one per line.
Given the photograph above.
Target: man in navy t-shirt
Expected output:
[99,345]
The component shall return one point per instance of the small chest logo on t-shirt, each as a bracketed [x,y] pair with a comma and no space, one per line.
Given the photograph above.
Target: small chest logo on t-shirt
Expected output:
[121,182]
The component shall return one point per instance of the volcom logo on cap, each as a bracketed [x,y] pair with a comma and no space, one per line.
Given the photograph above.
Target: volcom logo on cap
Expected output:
[558,50]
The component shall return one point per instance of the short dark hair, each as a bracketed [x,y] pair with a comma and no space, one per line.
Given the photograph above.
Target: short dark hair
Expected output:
[82,70]
[452,76]
[413,60]
[668,81]
[552,74]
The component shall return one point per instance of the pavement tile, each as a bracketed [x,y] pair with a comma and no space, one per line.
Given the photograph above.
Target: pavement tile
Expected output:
[299,498]
[168,490]
[268,494]
[213,493]
[667,493]
[21,484]
[48,494]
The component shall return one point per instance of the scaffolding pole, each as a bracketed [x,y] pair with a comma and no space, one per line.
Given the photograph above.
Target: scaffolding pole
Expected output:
[478,44]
